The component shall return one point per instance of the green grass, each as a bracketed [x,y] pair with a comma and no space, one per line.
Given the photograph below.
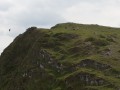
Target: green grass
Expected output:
[67,44]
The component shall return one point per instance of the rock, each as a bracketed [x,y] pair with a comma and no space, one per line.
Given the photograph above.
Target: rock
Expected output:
[93,64]
[41,66]
[86,79]
[66,36]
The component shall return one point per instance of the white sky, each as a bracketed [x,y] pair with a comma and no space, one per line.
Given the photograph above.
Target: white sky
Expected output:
[21,14]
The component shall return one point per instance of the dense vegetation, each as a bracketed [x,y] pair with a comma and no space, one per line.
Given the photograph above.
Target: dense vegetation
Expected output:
[68,56]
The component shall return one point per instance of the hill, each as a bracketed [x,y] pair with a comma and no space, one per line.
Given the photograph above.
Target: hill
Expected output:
[68,56]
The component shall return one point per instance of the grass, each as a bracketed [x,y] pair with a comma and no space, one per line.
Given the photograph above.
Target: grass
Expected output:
[67,44]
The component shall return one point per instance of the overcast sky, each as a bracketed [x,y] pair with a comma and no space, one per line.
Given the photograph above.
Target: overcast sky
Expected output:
[21,14]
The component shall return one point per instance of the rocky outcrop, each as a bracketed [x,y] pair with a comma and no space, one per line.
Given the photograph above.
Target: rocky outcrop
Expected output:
[65,36]
[93,64]
[107,69]
[88,63]
[84,79]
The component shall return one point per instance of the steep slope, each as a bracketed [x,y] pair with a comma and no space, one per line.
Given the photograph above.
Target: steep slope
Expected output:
[68,56]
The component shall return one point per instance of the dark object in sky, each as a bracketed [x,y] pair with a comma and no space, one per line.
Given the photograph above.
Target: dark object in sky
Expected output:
[9,30]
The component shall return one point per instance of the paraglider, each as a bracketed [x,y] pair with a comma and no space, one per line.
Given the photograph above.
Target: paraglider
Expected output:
[9,30]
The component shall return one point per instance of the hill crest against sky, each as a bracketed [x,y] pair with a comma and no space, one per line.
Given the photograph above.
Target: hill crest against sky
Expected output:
[68,56]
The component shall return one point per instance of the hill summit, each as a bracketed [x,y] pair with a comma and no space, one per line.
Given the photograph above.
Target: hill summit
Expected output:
[68,56]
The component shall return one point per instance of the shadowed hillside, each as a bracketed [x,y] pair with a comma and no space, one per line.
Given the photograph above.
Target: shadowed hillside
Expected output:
[68,56]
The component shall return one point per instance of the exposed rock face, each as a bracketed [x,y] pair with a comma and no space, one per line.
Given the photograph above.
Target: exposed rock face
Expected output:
[65,36]
[93,64]
[88,63]
[106,52]
[86,79]
[107,69]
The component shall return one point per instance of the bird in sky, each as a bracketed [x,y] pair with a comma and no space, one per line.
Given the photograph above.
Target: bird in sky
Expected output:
[9,30]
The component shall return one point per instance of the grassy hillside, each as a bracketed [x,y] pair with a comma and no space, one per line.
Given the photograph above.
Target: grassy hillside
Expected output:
[68,56]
